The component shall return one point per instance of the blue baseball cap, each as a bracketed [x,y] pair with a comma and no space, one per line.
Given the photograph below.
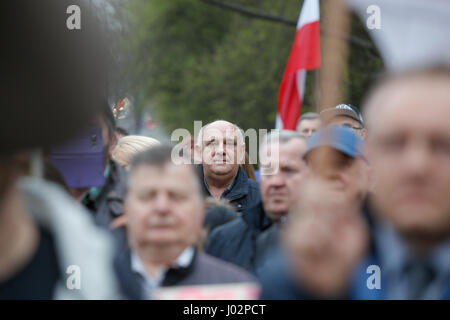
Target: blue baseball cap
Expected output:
[337,137]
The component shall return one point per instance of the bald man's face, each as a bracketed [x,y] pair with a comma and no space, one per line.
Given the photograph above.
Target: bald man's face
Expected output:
[222,150]
[409,149]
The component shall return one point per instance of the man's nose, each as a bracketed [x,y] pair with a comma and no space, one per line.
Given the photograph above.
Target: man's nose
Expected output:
[277,179]
[417,158]
[162,203]
[220,148]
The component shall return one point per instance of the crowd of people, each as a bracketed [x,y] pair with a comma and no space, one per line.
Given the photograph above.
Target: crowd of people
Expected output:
[350,206]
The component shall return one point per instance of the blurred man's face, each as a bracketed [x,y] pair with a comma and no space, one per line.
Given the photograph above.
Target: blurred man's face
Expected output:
[308,126]
[350,123]
[281,179]
[222,150]
[346,174]
[410,154]
[161,211]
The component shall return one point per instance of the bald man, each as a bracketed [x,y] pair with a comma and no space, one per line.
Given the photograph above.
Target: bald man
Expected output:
[221,147]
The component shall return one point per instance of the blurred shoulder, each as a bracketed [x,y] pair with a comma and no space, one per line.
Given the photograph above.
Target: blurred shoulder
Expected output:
[225,271]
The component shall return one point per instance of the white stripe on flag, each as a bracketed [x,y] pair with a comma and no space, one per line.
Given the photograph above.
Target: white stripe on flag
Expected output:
[310,13]
[301,79]
[279,123]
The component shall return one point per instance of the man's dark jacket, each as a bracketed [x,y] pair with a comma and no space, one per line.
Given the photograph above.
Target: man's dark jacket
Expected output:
[108,205]
[277,280]
[240,241]
[202,270]
[244,193]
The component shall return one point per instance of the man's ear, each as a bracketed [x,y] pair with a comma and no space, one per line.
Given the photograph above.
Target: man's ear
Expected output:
[118,222]
[364,133]
[368,167]
[197,154]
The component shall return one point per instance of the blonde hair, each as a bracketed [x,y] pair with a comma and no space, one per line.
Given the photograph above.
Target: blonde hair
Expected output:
[127,147]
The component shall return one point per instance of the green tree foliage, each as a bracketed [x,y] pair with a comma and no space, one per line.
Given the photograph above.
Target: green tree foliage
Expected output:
[195,61]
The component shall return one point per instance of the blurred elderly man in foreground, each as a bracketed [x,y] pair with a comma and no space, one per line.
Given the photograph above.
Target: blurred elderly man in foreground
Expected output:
[409,149]
[409,152]
[164,223]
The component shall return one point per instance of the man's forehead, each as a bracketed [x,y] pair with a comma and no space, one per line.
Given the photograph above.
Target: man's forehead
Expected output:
[220,130]
[306,122]
[168,171]
[294,148]
[395,100]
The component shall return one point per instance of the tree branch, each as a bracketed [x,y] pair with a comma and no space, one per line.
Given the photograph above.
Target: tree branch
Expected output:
[264,16]
[251,12]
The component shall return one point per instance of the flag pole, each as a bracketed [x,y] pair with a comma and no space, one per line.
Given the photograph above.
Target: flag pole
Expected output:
[317,89]
[335,50]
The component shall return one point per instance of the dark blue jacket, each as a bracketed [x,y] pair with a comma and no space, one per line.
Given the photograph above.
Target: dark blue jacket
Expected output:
[237,241]
[277,281]
[278,284]
[244,193]
[108,205]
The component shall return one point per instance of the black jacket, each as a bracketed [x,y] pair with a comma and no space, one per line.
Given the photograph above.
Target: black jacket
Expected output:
[108,205]
[244,193]
[240,240]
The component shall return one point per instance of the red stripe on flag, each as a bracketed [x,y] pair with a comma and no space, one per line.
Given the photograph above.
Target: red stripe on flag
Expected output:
[305,55]
[291,103]
[305,52]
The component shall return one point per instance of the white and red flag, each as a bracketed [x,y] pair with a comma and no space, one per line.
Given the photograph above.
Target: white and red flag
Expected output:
[305,55]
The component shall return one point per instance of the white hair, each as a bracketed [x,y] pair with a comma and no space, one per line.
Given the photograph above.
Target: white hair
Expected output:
[128,146]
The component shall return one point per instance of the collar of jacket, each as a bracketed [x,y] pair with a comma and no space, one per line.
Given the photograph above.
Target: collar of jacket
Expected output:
[256,218]
[239,186]
[113,190]
[175,275]
[122,263]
